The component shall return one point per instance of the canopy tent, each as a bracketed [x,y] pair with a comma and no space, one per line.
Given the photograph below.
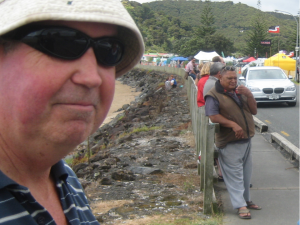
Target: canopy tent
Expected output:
[205,56]
[179,58]
[229,59]
[242,59]
[281,60]
[249,59]
[169,59]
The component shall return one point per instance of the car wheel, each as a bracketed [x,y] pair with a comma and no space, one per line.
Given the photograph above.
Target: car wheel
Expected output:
[292,103]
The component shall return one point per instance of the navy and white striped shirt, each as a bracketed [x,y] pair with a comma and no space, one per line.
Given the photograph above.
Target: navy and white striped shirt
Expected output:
[18,207]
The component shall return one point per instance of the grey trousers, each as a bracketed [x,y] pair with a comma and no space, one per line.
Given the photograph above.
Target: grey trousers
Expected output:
[236,165]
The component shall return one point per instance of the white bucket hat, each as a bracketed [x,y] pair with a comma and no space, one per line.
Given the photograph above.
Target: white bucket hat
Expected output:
[16,13]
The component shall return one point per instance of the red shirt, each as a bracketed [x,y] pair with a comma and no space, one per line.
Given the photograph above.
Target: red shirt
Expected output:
[201,83]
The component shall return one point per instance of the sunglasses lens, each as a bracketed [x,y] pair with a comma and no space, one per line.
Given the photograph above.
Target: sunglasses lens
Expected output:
[108,51]
[63,43]
[68,43]
[230,68]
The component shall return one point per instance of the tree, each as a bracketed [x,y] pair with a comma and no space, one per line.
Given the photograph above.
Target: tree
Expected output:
[207,21]
[256,34]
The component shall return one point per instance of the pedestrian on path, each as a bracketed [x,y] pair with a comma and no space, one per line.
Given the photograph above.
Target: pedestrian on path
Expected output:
[232,107]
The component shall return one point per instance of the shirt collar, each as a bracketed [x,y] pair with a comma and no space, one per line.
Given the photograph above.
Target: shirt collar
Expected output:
[58,171]
[5,180]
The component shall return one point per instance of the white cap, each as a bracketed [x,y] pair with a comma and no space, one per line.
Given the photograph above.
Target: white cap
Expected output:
[16,13]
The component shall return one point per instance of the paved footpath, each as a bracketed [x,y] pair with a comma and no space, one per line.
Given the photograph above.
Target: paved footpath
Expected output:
[275,188]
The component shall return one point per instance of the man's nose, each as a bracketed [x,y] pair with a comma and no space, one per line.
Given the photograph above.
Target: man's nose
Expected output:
[89,72]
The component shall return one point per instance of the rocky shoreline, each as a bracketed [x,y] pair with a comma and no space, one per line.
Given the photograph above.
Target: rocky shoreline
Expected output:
[143,164]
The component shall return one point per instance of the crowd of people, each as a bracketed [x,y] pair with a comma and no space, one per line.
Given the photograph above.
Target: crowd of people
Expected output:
[232,107]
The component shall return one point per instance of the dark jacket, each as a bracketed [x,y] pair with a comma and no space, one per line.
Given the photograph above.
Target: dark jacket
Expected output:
[232,110]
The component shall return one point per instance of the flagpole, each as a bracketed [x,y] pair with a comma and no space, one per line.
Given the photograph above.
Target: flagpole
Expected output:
[278,43]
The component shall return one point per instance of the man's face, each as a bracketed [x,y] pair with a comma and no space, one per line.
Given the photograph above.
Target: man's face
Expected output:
[49,101]
[229,80]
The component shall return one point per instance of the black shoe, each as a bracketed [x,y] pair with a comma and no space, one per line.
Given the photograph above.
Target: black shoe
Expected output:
[220,178]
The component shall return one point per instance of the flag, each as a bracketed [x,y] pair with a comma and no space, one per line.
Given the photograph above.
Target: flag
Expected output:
[274,29]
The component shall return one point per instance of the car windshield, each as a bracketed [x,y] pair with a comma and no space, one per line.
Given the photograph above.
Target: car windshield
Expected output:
[266,74]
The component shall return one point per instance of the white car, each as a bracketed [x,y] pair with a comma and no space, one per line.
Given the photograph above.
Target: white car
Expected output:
[269,84]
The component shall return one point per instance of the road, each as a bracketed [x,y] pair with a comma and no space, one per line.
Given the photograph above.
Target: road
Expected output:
[282,119]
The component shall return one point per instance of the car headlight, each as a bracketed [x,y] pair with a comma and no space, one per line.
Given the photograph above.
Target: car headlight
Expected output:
[254,89]
[291,88]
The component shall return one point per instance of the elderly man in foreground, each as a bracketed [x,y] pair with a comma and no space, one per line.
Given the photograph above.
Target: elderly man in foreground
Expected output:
[58,64]
[232,107]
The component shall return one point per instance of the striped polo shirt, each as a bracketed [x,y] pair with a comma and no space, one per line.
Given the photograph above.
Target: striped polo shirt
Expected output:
[18,207]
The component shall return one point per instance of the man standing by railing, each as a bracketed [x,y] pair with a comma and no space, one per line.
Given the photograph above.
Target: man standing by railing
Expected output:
[232,107]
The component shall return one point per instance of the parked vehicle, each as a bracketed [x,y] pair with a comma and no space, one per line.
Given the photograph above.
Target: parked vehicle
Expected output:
[269,84]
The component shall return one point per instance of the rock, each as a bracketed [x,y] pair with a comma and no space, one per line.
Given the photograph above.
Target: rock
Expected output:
[99,156]
[145,170]
[123,175]
[80,166]
[106,181]
[124,107]
[142,157]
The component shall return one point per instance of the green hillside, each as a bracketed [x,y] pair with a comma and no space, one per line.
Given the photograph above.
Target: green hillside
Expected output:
[167,25]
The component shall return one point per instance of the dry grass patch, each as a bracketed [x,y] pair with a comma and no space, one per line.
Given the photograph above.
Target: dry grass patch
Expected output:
[102,207]
[183,126]
[171,219]
[141,221]
[179,179]
[189,138]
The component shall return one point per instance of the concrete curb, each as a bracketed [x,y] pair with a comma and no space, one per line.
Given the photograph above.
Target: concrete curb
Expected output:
[262,126]
[280,140]
[286,145]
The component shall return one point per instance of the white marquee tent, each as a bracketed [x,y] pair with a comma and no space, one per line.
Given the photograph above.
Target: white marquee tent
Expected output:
[205,56]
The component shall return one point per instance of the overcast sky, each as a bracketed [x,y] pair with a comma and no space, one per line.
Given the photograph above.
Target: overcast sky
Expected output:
[291,6]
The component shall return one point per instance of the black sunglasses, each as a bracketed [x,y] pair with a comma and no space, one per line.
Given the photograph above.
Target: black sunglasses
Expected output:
[68,43]
[230,68]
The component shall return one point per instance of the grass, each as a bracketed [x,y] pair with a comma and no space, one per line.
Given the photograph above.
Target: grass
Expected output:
[140,129]
[172,219]
[195,220]
[69,161]
[78,159]
[121,117]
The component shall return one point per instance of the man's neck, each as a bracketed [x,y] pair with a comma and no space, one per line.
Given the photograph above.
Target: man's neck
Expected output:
[22,172]
[230,90]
